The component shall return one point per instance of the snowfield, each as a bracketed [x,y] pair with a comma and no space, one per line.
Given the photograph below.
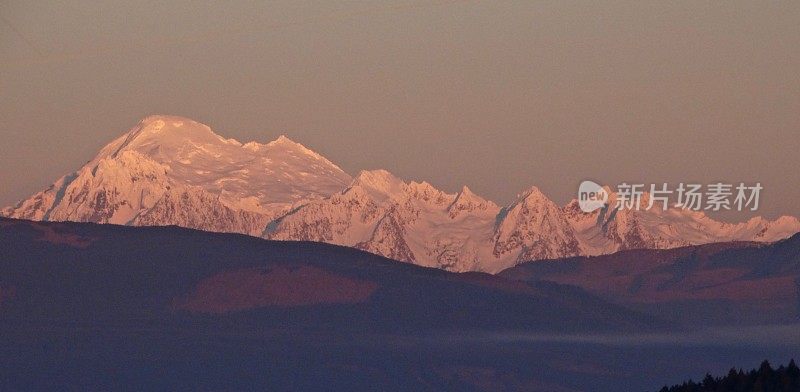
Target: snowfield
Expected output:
[169,170]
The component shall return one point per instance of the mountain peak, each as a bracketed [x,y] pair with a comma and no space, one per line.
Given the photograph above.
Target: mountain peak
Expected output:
[378,183]
[378,178]
[375,175]
[424,191]
[787,219]
[168,126]
[188,156]
[467,201]
[164,118]
[423,187]
[283,140]
[532,194]
[466,195]
[157,134]
[284,143]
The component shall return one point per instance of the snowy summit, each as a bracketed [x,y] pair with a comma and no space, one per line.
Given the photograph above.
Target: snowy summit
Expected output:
[169,170]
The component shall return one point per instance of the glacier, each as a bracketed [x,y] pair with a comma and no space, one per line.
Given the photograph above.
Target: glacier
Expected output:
[170,170]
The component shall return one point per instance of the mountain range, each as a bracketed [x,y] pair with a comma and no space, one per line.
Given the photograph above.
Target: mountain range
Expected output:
[95,306]
[724,284]
[64,271]
[109,307]
[169,170]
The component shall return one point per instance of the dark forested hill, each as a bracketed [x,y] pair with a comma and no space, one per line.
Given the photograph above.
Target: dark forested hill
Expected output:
[86,273]
[714,284]
[763,379]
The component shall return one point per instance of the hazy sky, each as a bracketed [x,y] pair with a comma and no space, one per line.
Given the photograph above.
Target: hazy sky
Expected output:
[495,94]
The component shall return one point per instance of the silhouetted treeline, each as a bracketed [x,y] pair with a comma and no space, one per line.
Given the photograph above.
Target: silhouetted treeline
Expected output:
[765,379]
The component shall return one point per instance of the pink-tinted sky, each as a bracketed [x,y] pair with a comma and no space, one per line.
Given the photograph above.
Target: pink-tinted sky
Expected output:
[498,95]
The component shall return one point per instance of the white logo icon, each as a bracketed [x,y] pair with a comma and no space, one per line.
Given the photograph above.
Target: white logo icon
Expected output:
[591,196]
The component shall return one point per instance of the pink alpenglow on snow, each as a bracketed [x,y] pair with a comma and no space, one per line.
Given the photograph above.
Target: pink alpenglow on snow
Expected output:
[170,170]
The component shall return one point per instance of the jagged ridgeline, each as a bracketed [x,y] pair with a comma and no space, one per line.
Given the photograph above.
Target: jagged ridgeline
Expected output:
[169,170]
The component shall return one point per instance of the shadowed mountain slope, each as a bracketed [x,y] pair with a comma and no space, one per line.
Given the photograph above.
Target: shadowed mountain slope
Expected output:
[97,273]
[737,282]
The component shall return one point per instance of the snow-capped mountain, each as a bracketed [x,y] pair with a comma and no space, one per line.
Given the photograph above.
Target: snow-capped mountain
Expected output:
[655,228]
[173,171]
[417,223]
[535,228]
[412,222]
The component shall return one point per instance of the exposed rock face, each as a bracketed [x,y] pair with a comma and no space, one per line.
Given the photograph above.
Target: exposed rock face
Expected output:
[173,171]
